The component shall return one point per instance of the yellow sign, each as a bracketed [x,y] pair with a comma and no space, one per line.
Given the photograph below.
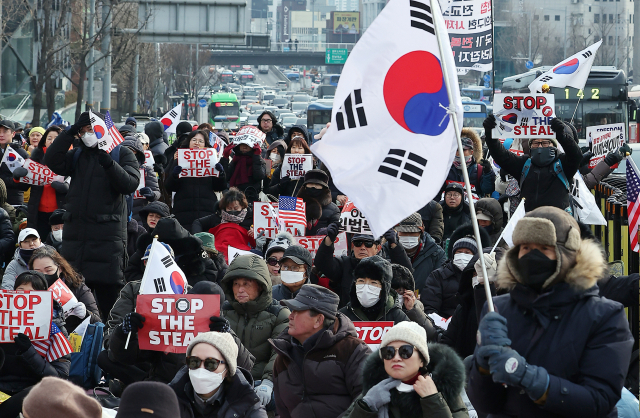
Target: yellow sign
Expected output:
[76,342]
[346,22]
[3,397]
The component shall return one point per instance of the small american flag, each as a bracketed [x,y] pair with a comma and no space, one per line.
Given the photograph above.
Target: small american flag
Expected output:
[292,211]
[55,347]
[116,138]
[633,206]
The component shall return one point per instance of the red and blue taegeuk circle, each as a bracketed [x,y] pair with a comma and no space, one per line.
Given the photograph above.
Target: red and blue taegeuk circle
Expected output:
[177,283]
[414,89]
[11,157]
[99,131]
[166,122]
[568,67]
[511,118]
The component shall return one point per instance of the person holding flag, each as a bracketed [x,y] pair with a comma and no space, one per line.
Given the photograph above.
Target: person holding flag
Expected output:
[15,189]
[95,228]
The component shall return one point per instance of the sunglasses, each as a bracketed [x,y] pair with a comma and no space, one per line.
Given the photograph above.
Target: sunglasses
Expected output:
[211,364]
[367,244]
[388,352]
[272,261]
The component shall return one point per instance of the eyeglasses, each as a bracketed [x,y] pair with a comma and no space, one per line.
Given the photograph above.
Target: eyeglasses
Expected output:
[272,261]
[358,243]
[296,268]
[452,195]
[389,352]
[210,363]
[538,144]
[266,120]
[197,141]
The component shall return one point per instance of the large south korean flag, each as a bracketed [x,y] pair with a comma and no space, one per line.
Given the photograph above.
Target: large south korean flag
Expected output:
[391,141]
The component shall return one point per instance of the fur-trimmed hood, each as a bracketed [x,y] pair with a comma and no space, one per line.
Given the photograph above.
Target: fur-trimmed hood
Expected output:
[324,198]
[477,142]
[447,372]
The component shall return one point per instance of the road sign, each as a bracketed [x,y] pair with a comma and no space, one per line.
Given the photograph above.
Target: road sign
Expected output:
[202,102]
[529,65]
[487,78]
[487,84]
[336,56]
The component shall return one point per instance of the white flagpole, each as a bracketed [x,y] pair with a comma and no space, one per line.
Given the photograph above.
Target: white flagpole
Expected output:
[454,118]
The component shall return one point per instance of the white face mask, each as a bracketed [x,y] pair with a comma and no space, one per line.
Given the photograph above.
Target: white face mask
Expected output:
[90,139]
[461,260]
[275,157]
[368,295]
[401,300]
[57,235]
[291,277]
[409,242]
[204,381]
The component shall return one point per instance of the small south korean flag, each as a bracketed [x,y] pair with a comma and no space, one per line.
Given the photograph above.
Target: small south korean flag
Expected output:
[12,159]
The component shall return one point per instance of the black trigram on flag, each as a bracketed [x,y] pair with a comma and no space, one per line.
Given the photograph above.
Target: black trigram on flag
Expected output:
[173,113]
[159,284]
[352,103]
[422,18]
[167,261]
[404,165]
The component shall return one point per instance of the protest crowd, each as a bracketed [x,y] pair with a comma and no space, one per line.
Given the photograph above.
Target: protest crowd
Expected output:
[230,276]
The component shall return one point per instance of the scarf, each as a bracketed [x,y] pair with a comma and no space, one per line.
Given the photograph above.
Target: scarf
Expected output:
[243,170]
[227,217]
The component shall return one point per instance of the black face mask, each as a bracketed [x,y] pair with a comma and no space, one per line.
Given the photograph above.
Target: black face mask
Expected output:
[26,254]
[234,212]
[543,156]
[313,192]
[535,268]
[489,229]
[51,278]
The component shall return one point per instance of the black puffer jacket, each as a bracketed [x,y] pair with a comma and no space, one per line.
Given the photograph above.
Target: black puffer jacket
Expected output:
[36,193]
[330,211]
[454,217]
[439,292]
[253,186]
[7,237]
[134,231]
[215,219]
[15,191]
[95,227]
[275,133]
[432,219]
[155,132]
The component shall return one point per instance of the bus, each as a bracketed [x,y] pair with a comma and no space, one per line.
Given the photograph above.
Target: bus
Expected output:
[604,99]
[318,114]
[475,112]
[331,79]
[245,77]
[224,111]
[226,77]
[478,93]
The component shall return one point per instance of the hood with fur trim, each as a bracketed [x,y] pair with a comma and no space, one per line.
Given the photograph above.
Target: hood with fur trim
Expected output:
[447,372]
[466,230]
[324,198]
[477,142]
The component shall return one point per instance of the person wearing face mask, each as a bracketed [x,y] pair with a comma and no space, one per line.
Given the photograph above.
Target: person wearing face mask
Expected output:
[422,250]
[295,265]
[490,218]
[15,189]
[286,186]
[544,176]
[275,153]
[554,347]
[95,225]
[268,123]
[275,252]
[28,242]
[247,170]
[195,197]
[47,261]
[211,385]
[481,173]
[439,294]
[372,298]
[455,210]
[404,285]
[316,189]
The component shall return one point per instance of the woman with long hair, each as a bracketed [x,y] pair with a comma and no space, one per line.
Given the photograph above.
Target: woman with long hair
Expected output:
[285,185]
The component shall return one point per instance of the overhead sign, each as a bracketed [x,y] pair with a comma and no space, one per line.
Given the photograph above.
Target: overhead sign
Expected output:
[25,312]
[336,56]
[198,162]
[173,321]
[604,139]
[371,332]
[524,115]
[312,243]
[295,166]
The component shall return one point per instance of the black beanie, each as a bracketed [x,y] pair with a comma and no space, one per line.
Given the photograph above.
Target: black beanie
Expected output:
[148,399]
[183,128]
[208,288]
[56,217]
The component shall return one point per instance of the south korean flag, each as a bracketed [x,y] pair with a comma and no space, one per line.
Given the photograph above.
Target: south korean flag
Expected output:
[391,138]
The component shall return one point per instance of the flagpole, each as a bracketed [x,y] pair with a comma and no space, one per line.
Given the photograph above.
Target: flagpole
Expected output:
[465,173]
[155,239]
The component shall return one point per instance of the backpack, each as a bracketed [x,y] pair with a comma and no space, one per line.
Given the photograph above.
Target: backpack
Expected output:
[557,170]
[84,370]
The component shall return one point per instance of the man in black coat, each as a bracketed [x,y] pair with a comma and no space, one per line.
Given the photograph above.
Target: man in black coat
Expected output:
[15,190]
[267,123]
[95,224]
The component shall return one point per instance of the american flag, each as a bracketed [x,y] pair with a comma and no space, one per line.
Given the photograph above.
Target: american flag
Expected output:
[116,138]
[292,211]
[633,206]
[55,347]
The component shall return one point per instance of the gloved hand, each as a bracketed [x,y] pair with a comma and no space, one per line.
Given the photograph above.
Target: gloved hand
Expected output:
[59,186]
[586,157]
[20,172]
[492,330]
[391,236]
[486,166]
[625,149]
[491,265]
[227,151]
[219,324]
[80,310]
[219,167]
[105,159]
[132,322]
[22,342]
[332,231]
[83,120]
[613,158]
[264,391]
[285,180]
[176,171]
[147,193]
[489,123]
[257,149]
[379,395]
[558,127]
[509,367]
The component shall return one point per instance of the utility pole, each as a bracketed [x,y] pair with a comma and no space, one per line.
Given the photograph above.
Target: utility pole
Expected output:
[565,32]
[617,22]
[636,42]
[90,72]
[136,66]
[106,51]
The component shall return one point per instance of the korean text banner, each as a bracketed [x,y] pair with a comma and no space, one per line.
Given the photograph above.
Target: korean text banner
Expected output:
[173,321]
[24,312]
[346,22]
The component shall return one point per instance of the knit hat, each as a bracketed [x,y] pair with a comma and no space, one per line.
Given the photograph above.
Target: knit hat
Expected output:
[148,400]
[223,342]
[56,217]
[126,130]
[467,143]
[158,207]
[409,332]
[37,129]
[411,224]
[466,242]
[131,119]
[281,242]
[454,187]
[57,398]
[208,241]
[148,251]
[183,128]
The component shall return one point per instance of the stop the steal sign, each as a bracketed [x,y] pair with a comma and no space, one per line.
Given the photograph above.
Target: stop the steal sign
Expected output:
[371,332]
[524,115]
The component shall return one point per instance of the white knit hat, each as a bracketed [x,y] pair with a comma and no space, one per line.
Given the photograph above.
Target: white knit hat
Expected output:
[409,332]
[224,342]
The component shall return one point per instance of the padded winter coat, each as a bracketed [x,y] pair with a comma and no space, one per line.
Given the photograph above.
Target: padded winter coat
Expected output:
[440,290]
